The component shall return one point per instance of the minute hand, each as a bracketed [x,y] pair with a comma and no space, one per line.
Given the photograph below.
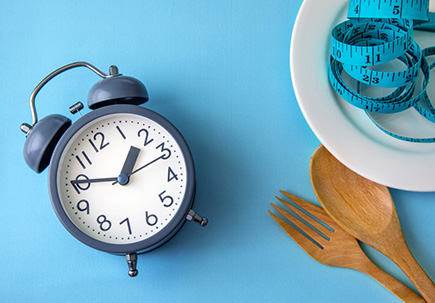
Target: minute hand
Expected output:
[149,163]
[92,180]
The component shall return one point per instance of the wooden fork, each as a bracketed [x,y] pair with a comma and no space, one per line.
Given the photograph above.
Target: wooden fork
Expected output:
[341,249]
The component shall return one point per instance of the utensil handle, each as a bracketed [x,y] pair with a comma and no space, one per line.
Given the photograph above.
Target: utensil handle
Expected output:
[406,261]
[395,286]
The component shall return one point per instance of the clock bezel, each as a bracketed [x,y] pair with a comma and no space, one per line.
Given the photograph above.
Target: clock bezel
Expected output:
[161,236]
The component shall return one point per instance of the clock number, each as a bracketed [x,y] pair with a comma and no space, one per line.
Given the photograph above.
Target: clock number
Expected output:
[102,144]
[105,224]
[168,199]
[84,207]
[120,132]
[81,186]
[146,141]
[93,145]
[86,158]
[151,219]
[171,175]
[81,162]
[163,150]
[126,220]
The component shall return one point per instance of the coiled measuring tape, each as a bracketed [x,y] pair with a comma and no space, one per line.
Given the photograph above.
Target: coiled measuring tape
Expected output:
[378,32]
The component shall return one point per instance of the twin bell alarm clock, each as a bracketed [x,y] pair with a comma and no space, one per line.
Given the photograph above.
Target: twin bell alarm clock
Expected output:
[121,178]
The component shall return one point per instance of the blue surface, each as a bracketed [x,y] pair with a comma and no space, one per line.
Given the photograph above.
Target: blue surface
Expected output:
[219,70]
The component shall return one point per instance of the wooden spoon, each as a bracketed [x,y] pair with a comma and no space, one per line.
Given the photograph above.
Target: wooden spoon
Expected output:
[366,210]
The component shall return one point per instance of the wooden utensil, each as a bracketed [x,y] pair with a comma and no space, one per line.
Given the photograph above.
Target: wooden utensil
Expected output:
[340,250]
[366,210]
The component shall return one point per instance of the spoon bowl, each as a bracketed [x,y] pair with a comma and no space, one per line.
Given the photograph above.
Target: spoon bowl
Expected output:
[366,210]
[340,187]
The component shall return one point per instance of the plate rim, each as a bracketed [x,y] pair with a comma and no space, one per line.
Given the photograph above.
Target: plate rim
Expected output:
[411,182]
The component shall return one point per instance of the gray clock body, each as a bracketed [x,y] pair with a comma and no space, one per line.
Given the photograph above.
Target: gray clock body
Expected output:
[122,219]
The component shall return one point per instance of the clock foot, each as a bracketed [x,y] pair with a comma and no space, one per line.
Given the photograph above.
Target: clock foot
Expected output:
[132,262]
[193,216]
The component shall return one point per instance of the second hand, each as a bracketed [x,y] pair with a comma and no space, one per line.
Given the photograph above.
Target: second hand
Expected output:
[149,163]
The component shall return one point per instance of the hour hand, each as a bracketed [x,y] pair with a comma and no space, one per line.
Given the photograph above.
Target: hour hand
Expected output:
[128,167]
[130,161]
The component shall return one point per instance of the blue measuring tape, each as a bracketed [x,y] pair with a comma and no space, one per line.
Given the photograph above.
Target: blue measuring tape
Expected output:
[379,32]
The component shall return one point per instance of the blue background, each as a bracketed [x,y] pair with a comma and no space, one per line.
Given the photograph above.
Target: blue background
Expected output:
[219,70]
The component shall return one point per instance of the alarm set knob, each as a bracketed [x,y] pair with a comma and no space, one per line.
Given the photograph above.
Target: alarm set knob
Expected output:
[76,108]
[194,217]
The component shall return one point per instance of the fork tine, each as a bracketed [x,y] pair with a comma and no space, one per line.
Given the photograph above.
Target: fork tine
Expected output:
[321,228]
[302,226]
[313,209]
[306,244]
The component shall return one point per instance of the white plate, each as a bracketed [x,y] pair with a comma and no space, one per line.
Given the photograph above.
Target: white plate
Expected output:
[345,130]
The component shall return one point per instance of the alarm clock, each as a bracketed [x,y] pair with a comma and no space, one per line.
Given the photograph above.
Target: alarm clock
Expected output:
[121,178]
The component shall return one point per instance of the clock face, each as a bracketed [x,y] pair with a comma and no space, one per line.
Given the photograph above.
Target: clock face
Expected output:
[116,208]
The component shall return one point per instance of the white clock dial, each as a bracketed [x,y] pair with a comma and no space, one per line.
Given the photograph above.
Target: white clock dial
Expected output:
[90,164]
